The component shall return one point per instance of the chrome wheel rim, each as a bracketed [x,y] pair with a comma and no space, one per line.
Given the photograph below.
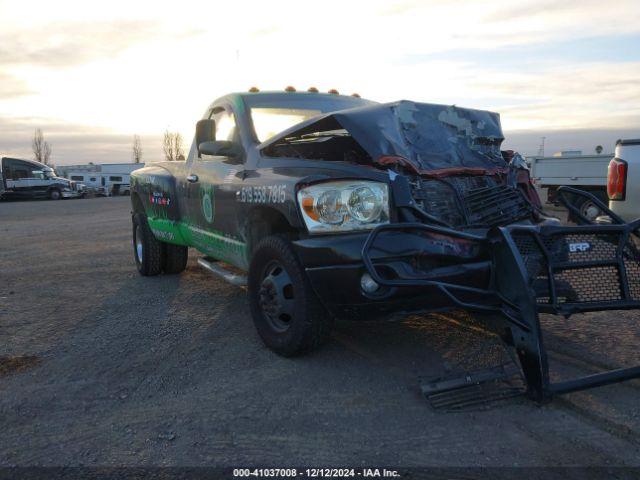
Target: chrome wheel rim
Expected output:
[590,210]
[139,243]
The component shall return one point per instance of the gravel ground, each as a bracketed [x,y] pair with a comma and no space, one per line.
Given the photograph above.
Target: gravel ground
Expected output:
[104,367]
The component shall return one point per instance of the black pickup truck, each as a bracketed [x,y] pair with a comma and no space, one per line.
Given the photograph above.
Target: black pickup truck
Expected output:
[330,206]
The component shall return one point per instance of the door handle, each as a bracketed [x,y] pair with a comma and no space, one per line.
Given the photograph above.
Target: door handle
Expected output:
[193,178]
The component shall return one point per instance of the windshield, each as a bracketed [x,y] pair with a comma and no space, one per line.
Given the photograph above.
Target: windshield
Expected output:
[273,112]
[268,122]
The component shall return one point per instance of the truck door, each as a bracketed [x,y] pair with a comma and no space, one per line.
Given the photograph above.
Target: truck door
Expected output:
[212,182]
[17,178]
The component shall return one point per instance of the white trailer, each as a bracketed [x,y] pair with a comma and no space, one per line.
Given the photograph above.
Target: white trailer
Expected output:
[105,179]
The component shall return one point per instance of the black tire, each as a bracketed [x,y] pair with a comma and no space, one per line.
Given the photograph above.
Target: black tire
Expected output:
[175,258]
[587,207]
[286,311]
[147,250]
[55,194]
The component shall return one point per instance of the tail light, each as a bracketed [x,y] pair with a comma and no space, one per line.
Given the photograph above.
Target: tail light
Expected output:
[617,179]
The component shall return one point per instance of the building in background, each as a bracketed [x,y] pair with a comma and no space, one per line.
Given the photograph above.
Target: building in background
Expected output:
[105,178]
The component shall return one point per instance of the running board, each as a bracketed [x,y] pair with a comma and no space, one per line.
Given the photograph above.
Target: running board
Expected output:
[474,390]
[218,270]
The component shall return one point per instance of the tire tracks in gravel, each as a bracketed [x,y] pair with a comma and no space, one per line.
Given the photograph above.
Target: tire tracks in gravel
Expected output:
[573,404]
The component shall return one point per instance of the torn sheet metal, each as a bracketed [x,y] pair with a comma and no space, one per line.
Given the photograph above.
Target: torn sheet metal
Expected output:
[428,137]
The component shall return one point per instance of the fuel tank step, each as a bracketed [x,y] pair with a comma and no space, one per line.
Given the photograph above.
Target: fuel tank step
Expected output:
[223,271]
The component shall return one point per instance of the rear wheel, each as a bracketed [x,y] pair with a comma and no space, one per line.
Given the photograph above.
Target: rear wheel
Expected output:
[285,309]
[147,250]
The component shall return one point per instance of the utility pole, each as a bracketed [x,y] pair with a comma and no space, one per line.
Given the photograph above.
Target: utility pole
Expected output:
[541,148]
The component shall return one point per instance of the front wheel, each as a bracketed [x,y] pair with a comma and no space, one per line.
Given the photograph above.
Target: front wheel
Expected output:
[285,309]
[55,194]
[587,207]
[147,250]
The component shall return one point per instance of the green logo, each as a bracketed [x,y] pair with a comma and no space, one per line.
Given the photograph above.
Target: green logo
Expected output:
[207,207]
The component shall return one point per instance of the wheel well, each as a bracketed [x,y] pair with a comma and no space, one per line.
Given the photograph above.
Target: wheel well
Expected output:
[265,221]
[136,203]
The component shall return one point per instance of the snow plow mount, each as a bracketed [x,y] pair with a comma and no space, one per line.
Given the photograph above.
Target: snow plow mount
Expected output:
[533,269]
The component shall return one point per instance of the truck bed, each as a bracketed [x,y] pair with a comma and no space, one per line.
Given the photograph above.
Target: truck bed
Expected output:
[572,171]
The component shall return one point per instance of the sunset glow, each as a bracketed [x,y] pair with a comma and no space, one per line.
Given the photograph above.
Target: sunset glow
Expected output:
[93,74]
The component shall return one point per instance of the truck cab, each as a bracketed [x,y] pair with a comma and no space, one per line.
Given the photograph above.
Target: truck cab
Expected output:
[26,179]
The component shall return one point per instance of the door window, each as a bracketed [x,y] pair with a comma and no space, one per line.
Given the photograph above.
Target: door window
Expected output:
[225,125]
[18,170]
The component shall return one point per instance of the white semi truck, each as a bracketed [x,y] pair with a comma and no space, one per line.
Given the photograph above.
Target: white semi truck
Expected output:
[24,179]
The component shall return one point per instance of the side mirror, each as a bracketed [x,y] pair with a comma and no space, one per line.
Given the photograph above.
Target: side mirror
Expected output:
[220,148]
[205,132]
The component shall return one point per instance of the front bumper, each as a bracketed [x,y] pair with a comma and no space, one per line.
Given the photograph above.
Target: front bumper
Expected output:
[335,266]
[70,194]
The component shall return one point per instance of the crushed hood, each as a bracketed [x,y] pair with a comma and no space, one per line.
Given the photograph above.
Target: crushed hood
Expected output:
[429,137]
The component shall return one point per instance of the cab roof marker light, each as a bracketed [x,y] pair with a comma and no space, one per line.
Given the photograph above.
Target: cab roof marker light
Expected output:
[334,91]
[254,90]
[312,90]
[290,88]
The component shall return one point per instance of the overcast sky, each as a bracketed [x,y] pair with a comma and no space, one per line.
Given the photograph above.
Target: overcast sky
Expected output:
[92,74]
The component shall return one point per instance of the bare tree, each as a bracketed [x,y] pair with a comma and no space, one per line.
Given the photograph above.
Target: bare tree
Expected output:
[172,146]
[167,145]
[599,149]
[137,149]
[41,148]
[177,145]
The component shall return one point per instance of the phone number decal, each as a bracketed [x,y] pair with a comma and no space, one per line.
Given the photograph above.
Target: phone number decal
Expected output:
[262,194]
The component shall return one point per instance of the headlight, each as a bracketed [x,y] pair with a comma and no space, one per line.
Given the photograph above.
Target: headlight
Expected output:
[344,205]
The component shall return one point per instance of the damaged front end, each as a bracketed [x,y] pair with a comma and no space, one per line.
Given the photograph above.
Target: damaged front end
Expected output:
[468,229]
[532,269]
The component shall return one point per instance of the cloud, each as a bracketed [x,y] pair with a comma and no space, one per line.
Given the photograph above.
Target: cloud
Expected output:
[528,142]
[73,143]
[63,44]
[12,87]
[587,95]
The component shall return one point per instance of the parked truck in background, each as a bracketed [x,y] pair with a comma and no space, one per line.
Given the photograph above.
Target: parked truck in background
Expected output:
[25,179]
[623,180]
[586,172]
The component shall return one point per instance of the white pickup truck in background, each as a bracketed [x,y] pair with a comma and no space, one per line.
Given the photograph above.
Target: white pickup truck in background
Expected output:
[586,172]
[623,184]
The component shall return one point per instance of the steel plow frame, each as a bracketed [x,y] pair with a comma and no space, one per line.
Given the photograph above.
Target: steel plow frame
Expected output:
[517,292]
